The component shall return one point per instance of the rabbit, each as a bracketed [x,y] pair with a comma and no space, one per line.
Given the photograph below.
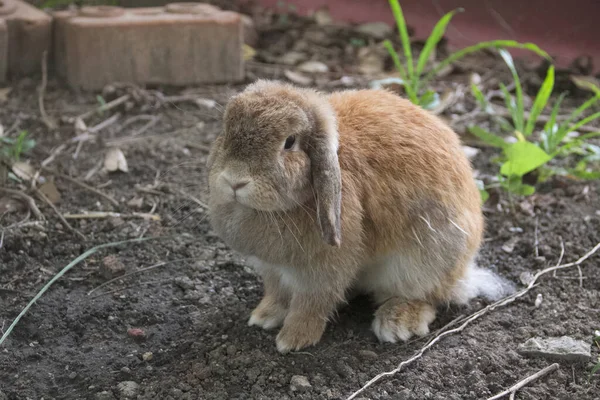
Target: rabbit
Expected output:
[357,191]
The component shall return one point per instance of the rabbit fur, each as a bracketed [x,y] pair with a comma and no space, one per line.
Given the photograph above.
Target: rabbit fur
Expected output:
[355,191]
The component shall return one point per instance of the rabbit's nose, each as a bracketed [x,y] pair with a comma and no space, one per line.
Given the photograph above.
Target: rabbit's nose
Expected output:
[238,185]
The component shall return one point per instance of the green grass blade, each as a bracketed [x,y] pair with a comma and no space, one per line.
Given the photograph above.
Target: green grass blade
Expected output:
[577,142]
[64,271]
[434,38]
[488,137]
[412,95]
[584,121]
[540,102]
[401,23]
[510,105]
[497,44]
[520,109]
[590,102]
[479,96]
[550,128]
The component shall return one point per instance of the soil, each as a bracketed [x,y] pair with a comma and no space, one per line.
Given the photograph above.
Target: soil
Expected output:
[190,339]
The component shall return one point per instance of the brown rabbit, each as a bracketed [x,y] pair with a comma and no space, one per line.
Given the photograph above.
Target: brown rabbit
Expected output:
[357,190]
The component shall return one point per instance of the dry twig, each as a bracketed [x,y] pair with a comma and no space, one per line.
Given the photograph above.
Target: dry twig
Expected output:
[63,220]
[500,303]
[107,214]
[105,107]
[83,185]
[526,381]
[42,92]
[28,199]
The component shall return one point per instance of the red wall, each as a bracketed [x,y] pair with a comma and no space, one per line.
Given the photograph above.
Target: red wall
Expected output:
[565,29]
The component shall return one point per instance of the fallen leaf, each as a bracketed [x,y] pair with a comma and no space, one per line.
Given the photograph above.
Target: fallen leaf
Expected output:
[50,191]
[248,52]
[297,78]
[115,161]
[23,170]
[9,205]
[4,92]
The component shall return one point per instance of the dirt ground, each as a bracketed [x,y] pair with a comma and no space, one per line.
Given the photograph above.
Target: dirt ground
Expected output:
[193,310]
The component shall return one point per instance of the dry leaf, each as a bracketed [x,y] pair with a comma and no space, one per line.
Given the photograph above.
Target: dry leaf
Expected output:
[115,160]
[4,92]
[248,52]
[80,126]
[297,77]
[50,191]
[9,205]
[23,170]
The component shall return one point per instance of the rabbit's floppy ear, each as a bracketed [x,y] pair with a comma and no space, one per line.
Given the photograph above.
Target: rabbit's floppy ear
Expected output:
[327,182]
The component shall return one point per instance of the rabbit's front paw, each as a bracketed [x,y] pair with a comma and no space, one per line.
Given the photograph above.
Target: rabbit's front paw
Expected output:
[268,314]
[298,333]
[397,319]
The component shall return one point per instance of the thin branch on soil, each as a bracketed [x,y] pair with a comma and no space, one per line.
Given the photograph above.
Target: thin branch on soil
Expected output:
[83,185]
[105,107]
[64,271]
[53,155]
[132,286]
[562,253]
[1,239]
[500,303]
[194,199]
[23,224]
[537,241]
[87,135]
[63,220]
[157,265]
[28,199]
[109,214]
[42,92]
[526,381]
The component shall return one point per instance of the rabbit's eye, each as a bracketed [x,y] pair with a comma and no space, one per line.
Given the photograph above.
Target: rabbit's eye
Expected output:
[289,142]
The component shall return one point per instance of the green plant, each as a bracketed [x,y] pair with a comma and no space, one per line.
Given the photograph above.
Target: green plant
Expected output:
[13,148]
[415,78]
[526,154]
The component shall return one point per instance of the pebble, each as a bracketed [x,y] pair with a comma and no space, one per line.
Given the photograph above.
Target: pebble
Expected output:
[73,375]
[128,389]
[111,267]
[376,30]
[313,67]
[299,383]
[367,354]
[102,396]
[147,356]
[136,333]
[184,282]
[563,348]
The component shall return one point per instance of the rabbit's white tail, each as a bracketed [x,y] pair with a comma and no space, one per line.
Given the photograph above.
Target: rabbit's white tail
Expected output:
[480,282]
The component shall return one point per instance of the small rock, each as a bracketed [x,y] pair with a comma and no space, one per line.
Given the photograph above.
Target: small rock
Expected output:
[509,246]
[147,356]
[367,354]
[136,202]
[376,30]
[322,17]
[184,282]
[313,67]
[73,375]
[470,152]
[299,383]
[526,278]
[128,389]
[371,60]
[538,300]
[136,333]
[115,160]
[111,267]
[563,348]
[292,58]
[100,396]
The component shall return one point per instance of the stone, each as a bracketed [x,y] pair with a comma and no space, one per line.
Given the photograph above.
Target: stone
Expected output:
[313,67]
[167,40]
[111,267]
[562,348]
[299,383]
[376,30]
[104,395]
[128,389]
[25,34]
[367,355]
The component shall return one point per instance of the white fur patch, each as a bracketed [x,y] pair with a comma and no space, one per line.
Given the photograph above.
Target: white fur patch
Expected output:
[481,282]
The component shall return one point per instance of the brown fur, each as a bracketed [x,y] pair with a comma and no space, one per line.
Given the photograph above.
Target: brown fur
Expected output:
[406,191]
